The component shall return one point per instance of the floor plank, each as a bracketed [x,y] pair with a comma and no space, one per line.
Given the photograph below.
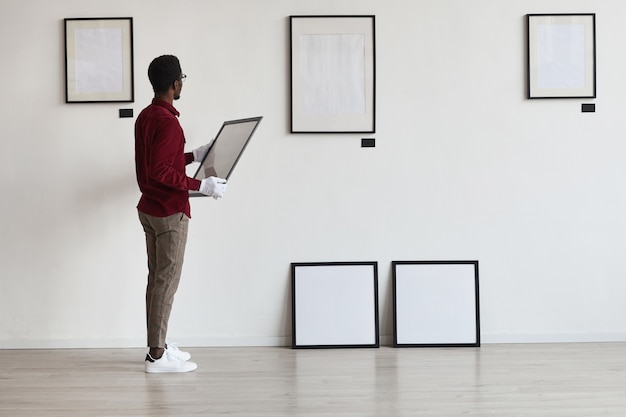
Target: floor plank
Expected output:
[560,380]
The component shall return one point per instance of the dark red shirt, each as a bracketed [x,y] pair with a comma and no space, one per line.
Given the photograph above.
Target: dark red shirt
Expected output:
[160,161]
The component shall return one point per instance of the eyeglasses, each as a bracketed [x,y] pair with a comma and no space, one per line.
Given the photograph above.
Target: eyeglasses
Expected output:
[182,78]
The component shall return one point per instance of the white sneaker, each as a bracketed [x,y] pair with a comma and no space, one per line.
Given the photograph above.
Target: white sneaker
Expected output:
[168,363]
[177,353]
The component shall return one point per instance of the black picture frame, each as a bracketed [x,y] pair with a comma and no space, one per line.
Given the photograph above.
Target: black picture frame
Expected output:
[99,63]
[328,97]
[335,305]
[436,304]
[561,55]
[226,150]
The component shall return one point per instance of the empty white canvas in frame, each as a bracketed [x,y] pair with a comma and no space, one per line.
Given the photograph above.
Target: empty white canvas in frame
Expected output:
[335,304]
[333,74]
[561,55]
[436,303]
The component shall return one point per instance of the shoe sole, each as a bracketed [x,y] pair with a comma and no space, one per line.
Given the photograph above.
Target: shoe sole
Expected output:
[169,371]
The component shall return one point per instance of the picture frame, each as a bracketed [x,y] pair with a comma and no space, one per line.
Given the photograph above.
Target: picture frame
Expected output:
[333,74]
[226,150]
[99,60]
[561,55]
[335,305]
[436,304]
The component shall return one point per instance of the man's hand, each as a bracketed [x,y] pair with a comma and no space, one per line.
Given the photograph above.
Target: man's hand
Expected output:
[200,153]
[213,187]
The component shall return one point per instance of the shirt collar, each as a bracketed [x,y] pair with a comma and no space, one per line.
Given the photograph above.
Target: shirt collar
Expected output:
[168,106]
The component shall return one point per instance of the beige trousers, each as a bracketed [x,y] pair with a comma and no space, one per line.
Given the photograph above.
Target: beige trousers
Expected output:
[166,238]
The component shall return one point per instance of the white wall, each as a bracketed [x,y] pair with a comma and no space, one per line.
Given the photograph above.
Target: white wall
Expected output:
[464,168]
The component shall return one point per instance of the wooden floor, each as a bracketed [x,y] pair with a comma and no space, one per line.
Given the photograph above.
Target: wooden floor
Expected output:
[559,380]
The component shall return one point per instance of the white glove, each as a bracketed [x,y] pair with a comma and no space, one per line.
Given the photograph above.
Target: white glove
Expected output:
[213,187]
[200,153]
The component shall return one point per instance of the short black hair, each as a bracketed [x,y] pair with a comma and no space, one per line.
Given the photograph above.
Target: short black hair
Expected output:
[163,71]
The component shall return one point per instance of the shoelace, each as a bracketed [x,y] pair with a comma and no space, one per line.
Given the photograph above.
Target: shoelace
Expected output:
[169,357]
[173,346]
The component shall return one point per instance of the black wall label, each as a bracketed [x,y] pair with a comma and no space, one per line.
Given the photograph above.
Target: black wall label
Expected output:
[126,113]
[589,107]
[368,143]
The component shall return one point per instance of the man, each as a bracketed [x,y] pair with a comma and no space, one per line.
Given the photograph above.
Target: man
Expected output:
[164,209]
